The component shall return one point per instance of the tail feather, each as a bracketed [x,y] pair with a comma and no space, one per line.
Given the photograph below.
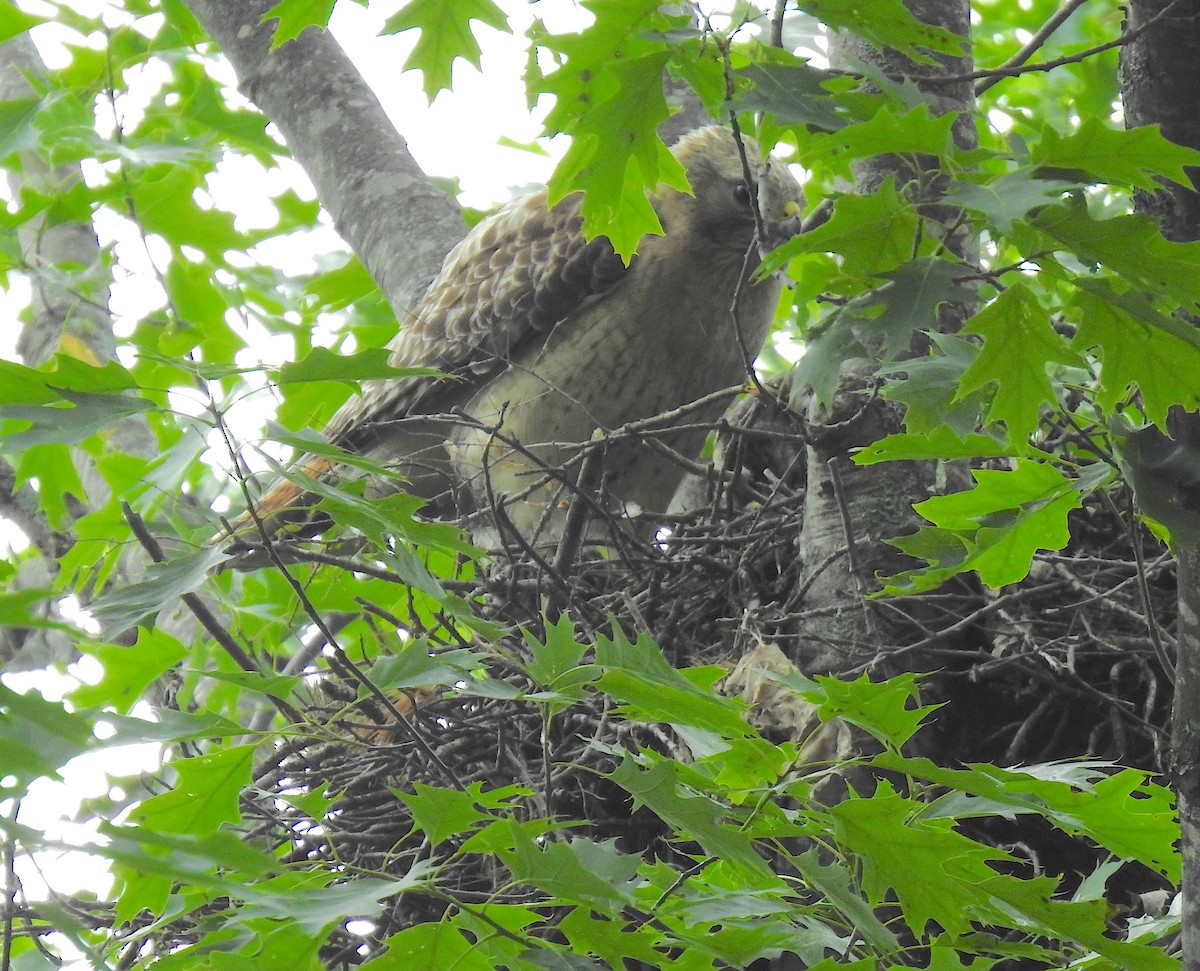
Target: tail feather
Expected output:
[284,503]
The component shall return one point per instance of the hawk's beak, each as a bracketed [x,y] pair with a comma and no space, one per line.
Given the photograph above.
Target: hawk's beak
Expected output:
[779,231]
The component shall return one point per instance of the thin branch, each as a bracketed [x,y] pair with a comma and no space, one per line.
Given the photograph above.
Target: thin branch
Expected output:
[205,616]
[855,563]
[1143,589]
[1044,66]
[1035,43]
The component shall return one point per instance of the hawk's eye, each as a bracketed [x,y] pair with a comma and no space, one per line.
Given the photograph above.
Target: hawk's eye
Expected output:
[741,194]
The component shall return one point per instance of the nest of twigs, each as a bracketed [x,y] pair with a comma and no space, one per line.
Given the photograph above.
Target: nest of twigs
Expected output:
[1063,665]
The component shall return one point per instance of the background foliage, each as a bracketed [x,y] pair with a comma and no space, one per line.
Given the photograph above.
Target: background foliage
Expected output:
[1075,344]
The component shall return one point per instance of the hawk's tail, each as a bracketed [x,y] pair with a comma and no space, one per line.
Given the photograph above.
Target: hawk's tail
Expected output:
[285,503]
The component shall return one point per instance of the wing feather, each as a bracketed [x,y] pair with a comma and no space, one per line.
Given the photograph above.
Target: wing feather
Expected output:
[516,275]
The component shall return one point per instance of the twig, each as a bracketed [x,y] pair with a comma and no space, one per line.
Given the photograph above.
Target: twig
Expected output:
[1035,42]
[205,616]
[1143,589]
[11,887]
[851,545]
[1001,72]
[777,23]
[586,486]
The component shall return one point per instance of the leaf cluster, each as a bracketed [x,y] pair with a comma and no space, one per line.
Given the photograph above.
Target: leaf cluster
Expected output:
[1076,339]
[748,863]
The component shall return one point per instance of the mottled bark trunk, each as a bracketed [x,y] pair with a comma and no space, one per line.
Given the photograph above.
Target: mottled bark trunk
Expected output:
[68,315]
[1160,75]
[397,222]
[1185,749]
[851,510]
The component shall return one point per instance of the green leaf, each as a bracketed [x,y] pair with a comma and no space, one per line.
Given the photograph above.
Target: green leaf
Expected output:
[316,909]
[163,584]
[432,945]
[170,725]
[295,16]
[929,388]
[1130,246]
[834,880]
[1139,346]
[794,93]
[272,685]
[871,233]
[446,35]
[17,609]
[322,364]
[617,943]
[589,872]
[414,666]
[994,529]
[442,813]
[1122,156]
[883,709]
[205,795]
[1008,199]
[912,299]
[914,132]
[623,155]
[14,21]
[693,816]
[339,288]
[609,98]
[75,417]
[21,385]
[1019,343]
[637,674]
[820,368]
[885,319]
[937,874]
[17,130]
[887,24]
[38,737]
[939,443]
[1123,810]
[195,298]
[128,671]
[166,205]
[556,669]
[53,466]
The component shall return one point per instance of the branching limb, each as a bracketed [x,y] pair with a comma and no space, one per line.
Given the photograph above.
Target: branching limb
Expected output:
[398,222]
[1036,42]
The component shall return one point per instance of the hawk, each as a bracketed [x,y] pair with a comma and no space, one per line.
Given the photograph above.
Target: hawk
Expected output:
[550,341]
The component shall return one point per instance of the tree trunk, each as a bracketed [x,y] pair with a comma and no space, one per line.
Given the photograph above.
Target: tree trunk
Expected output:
[1160,75]
[394,218]
[850,511]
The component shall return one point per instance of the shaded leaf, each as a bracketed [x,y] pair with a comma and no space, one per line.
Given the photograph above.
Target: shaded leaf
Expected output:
[1019,344]
[205,795]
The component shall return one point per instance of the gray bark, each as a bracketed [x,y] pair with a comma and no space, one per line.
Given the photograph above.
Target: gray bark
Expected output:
[394,218]
[69,314]
[1160,75]
[850,511]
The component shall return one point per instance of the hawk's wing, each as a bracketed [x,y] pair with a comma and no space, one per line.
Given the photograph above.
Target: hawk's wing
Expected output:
[512,278]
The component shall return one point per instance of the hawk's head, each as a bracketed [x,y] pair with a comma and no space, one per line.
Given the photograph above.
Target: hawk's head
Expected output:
[728,183]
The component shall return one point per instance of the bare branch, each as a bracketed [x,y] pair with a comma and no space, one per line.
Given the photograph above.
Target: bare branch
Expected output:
[1036,42]
[398,223]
